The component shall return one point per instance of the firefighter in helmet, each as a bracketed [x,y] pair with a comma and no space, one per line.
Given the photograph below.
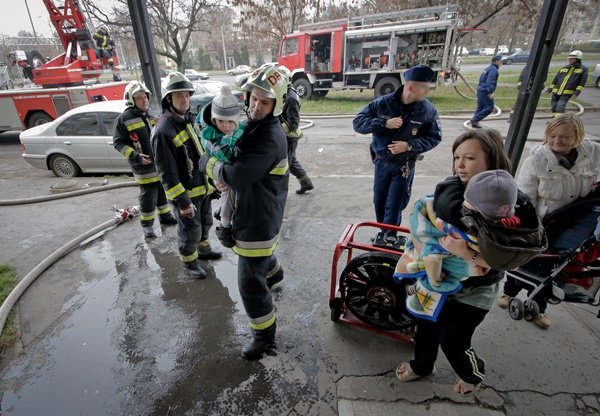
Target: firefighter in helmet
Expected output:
[177,151]
[568,83]
[105,45]
[259,176]
[132,139]
[290,119]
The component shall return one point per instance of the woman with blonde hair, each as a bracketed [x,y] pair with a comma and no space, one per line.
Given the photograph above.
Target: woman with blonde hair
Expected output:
[564,168]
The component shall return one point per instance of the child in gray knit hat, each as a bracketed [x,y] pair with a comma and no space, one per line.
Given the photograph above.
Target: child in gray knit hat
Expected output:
[220,129]
[493,194]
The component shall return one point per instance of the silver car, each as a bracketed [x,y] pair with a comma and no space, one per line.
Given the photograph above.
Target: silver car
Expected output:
[78,141]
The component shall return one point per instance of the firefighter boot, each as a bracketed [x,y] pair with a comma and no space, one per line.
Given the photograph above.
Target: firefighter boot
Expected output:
[305,185]
[148,231]
[275,277]
[195,270]
[167,219]
[225,236]
[206,252]
[261,341]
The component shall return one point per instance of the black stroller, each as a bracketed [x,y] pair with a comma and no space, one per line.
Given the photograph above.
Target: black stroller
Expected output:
[570,276]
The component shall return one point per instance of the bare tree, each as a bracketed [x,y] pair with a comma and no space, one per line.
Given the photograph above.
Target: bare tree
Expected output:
[173,22]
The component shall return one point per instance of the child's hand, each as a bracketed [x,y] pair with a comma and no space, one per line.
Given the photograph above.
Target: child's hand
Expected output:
[456,246]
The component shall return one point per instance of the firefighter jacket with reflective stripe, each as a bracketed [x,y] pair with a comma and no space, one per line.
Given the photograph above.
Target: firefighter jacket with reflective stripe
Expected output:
[103,41]
[290,116]
[177,151]
[570,79]
[420,128]
[132,139]
[259,176]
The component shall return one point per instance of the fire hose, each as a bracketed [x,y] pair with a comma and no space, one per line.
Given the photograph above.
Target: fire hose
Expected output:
[120,216]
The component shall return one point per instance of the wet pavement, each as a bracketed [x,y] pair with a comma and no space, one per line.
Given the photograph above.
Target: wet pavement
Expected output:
[117,327]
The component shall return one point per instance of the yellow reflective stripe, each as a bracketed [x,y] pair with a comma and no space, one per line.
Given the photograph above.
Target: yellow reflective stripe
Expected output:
[195,139]
[146,217]
[190,258]
[135,126]
[579,88]
[127,151]
[181,138]
[262,323]
[256,248]
[175,191]
[568,92]
[274,270]
[146,181]
[163,210]
[210,165]
[578,71]
[197,191]
[563,85]
[281,168]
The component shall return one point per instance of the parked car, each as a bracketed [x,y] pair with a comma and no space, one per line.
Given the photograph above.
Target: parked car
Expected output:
[475,52]
[486,52]
[595,76]
[462,51]
[194,75]
[206,91]
[78,141]
[240,69]
[516,58]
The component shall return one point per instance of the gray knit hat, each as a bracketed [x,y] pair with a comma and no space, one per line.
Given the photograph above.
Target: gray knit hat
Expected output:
[493,194]
[225,106]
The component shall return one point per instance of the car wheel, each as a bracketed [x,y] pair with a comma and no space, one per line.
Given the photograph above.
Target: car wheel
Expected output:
[598,82]
[230,73]
[64,167]
[508,61]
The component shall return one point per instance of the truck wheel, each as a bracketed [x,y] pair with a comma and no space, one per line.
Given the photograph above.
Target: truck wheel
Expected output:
[38,118]
[386,85]
[35,58]
[303,88]
[64,167]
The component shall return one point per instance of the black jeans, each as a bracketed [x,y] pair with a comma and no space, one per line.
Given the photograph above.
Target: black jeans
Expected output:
[296,168]
[453,332]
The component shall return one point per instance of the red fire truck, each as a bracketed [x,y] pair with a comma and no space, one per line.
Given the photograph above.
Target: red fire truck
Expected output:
[25,108]
[368,52]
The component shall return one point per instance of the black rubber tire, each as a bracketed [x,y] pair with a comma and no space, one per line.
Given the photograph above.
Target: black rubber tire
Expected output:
[533,312]
[63,166]
[35,58]
[508,62]
[516,309]
[38,118]
[303,88]
[598,82]
[336,309]
[369,291]
[386,85]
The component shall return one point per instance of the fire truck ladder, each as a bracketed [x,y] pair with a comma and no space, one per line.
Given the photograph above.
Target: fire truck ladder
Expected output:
[404,17]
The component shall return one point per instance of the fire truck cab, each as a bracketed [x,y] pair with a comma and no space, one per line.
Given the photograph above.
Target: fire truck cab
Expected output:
[368,52]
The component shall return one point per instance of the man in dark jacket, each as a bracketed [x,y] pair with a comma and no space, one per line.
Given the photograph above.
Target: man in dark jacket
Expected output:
[132,139]
[259,176]
[485,91]
[404,125]
[177,151]
[290,119]
[568,83]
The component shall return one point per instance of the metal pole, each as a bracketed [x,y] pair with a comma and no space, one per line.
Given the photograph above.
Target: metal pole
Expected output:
[146,50]
[31,20]
[536,72]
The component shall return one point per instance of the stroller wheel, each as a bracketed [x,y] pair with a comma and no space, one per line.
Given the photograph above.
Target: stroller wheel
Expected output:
[336,309]
[533,312]
[516,309]
[371,294]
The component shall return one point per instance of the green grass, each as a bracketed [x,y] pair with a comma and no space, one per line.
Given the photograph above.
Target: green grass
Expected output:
[445,99]
[8,280]
[588,57]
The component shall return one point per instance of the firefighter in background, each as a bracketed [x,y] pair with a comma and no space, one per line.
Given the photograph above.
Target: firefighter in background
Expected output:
[132,139]
[568,82]
[488,81]
[290,119]
[177,151]
[404,125]
[105,46]
[519,88]
[260,178]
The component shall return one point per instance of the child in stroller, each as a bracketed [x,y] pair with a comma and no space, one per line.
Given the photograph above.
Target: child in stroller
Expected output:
[569,270]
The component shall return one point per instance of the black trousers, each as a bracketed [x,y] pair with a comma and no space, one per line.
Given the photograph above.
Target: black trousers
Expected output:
[152,198]
[453,332]
[296,168]
[559,103]
[256,296]
[512,289]
[191,231]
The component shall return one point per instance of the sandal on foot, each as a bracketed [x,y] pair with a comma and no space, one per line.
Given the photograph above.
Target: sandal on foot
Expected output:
[408,374]
[469,388]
